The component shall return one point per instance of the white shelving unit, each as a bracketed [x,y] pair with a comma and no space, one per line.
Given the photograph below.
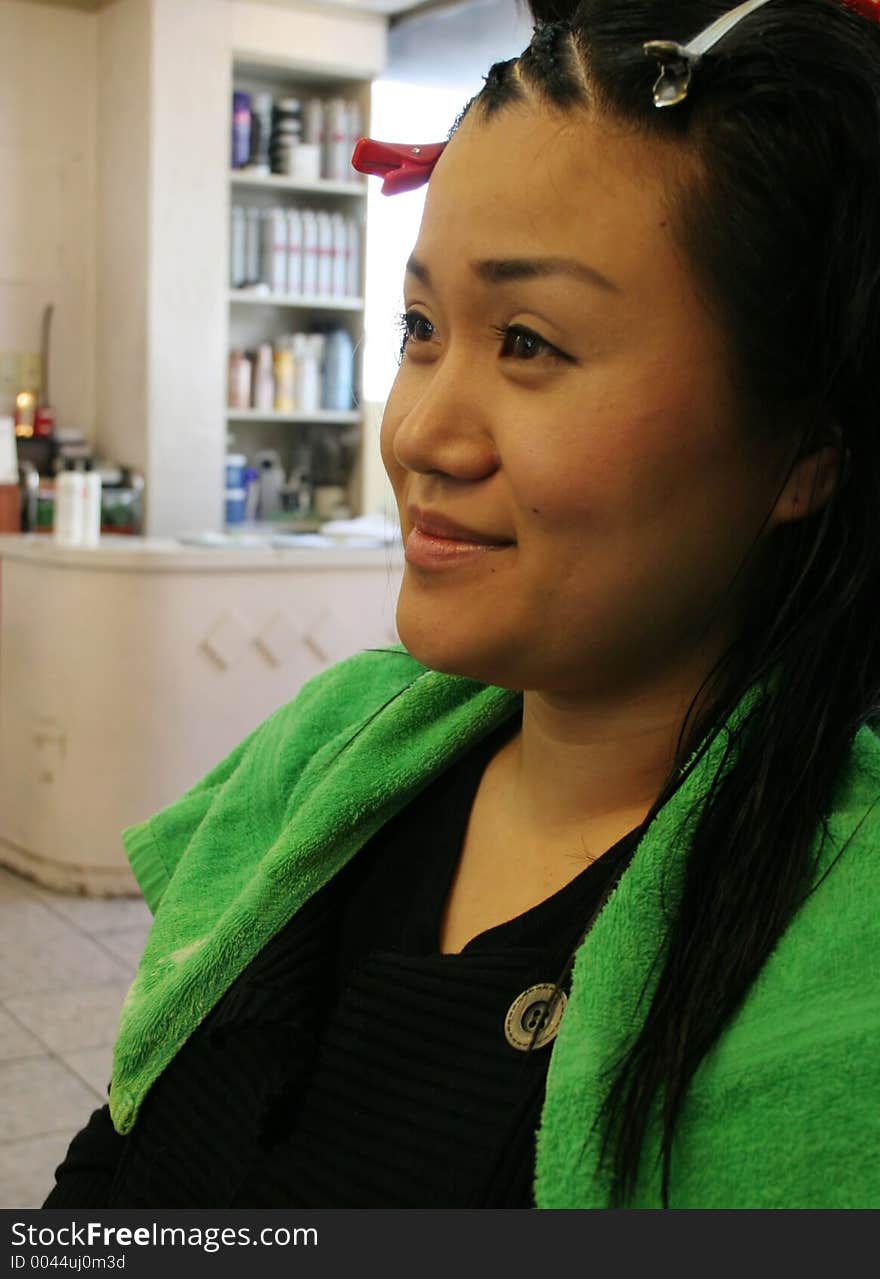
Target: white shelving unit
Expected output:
[256,316]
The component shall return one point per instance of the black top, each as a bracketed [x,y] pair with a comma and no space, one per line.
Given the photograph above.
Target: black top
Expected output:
[352,1064]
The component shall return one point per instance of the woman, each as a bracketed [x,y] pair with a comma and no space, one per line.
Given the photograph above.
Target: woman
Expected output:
[610,935]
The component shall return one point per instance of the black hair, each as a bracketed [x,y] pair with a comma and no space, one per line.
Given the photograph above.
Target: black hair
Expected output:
[777,209]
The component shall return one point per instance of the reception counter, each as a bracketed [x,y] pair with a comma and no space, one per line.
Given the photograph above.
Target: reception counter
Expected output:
[128,670]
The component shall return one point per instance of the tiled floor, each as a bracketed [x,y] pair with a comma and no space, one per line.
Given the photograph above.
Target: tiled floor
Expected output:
[65,965]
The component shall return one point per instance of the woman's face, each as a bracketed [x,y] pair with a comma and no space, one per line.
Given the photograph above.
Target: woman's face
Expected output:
[606,449]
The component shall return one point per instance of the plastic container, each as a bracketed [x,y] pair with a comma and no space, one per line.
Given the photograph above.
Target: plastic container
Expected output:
[237,248]
[310,253]
[235,470]
[353,258]
[340,256]
[264,380]
[69,502]
[294,252]
[261,133]
[305,162]
[337,380]
[236,504]
[325,254]
[252,246]
[240,378]
[241,129]
[284,363]
[337,152]
[308,351]
[275,250]
[91,507]
[313,122]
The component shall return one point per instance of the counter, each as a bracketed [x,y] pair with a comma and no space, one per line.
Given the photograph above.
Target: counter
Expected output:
[128,670]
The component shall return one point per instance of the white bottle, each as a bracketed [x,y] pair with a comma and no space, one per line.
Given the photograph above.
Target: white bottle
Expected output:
[67,527]
[264,378]
[91,508]
[336,148]
[238,258]
[294,252]
[307,373]
[325,254]
[340,256]
[275,250]
[353,229]
[313,122]
[252,246]
[355,131]
[310,253]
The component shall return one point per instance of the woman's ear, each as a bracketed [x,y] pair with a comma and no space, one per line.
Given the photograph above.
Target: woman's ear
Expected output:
[814,479]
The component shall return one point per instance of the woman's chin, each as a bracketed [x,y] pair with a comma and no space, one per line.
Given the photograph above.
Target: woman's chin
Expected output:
[441,649]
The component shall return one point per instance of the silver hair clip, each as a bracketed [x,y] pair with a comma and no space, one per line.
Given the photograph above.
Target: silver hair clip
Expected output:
[677,61]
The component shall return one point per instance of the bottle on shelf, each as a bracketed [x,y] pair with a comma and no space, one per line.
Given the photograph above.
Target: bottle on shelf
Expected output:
[310,253]
[240,376]
[325,253]
[91,505]
[264,378]
[336,386]
[252,246]
[241,129]
[274,272]
[238,250]
[337,152]
[294,252]
[67,528]
[285,360]
[353,258]
[261,132]
[340,256]
[307,353]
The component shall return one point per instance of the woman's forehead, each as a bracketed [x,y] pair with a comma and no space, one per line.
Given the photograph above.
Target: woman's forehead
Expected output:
[528,182]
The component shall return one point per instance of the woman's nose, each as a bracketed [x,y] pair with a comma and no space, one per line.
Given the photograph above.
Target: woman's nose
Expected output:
[440,420]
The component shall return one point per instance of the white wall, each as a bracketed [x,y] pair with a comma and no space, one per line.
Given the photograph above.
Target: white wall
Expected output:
[124,129]
[48,113]
[348,42]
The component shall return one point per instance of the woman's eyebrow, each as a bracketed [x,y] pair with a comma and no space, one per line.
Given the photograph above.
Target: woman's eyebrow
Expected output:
[500,270]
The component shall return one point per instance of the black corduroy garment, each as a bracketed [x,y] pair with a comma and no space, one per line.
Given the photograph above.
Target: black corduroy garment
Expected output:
[416,1098]
[352,1064]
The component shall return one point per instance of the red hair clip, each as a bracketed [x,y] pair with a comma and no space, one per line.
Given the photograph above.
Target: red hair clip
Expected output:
[403,166]
[867,8]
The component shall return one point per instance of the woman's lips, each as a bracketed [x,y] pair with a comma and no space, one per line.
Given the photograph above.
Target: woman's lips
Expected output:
[426,550]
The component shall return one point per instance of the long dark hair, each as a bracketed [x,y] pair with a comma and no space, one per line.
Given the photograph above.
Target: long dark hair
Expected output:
[779,219]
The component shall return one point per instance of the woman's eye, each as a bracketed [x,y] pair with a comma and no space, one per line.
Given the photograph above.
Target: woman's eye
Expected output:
[516,340]
[523,344]
[406,323]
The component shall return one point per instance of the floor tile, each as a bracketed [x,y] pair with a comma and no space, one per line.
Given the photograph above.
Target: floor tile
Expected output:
[40,1095]
[27,1168]
[96,915]
[66,1020]
[15,1041]
[93,1065]
[40,951]
[127,944]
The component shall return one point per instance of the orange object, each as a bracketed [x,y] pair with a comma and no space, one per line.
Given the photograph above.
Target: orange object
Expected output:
[10,508]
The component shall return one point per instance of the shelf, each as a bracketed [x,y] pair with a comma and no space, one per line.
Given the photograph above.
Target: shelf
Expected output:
[236,296]
[276,182]
[322,415]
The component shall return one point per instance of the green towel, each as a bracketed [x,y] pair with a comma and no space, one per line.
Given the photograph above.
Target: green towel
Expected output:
[785,1110]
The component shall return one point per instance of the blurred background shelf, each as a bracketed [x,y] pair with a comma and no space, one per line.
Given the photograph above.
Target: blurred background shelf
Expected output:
[298,302]
[321,416]
[276,182]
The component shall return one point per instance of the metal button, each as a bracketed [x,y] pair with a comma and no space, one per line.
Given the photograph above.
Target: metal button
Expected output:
[531,1011]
